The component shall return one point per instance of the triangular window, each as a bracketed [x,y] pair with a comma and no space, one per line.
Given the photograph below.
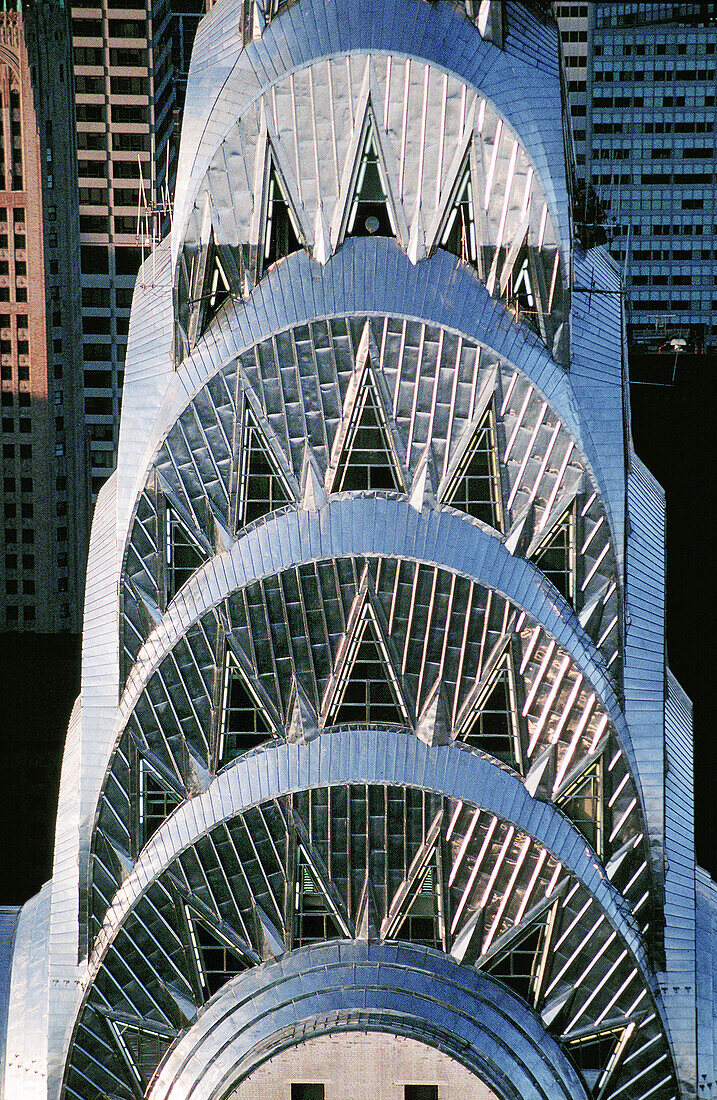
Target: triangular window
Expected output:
[142,1049]
[493,727]
[243,724]
[157,801]
[216,960]
[367,460]
[421,923]
[184,553]
[367,691]
[556,558]
[216,287]
[518,965]
[261,487]
[475,487]
[592,1053]
[281,237]
[521,289]
[582,802]
[523,294]
[370,213]
[459,235]
[314,921]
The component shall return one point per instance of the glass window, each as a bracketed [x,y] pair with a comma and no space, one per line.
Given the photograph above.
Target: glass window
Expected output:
[243,722]
[216,960]
[281,237]
[368,691]
[261,486]
[313,919]
[518,966]
[156,801]
[370,214]
[367,460]
[475,488]
[556,558]
[421,924]
[459,236]
[494,727]
[184,554]
[306,1091]
[583,804]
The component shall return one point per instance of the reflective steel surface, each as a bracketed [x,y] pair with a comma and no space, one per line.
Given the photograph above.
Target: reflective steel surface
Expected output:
[375,732]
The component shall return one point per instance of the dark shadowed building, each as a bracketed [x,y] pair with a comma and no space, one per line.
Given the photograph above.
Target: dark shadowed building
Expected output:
[44,490]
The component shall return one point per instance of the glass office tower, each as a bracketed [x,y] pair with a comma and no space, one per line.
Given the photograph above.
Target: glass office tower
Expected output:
[641,80]
[378,784]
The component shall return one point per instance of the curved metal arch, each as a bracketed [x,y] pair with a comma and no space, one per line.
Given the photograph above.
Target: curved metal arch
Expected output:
[438,35]
[371,275]
[435,292]
[380,526]
[400,989]
[240,216]
[370,756]
[214,407]
[115,822]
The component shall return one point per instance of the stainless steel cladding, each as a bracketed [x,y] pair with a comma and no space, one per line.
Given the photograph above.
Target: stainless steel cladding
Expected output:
[375,716]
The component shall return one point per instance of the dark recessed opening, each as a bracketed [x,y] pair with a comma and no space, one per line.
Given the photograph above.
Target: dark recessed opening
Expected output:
[303,1091]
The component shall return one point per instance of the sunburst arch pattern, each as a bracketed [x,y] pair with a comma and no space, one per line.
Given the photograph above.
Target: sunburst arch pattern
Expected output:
[376,733]
[385,520]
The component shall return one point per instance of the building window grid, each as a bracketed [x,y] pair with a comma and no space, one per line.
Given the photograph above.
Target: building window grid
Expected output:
[584,803]
[557,557]
[118,67]
[459,235]
[370,212]
[156,801]
[681,59]
[367,691]
[184,553]
[244,724]
[144,1048]
[368,460]
[216,962]
[313,919]
[594,1054]
[262,488]
[492,725]
[217,288]
[281,235]
[475,488]
[519,966]
[421,924]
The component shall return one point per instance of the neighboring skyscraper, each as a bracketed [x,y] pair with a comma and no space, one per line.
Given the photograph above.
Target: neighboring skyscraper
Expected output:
[125,101]
[378,783]
[186,15]
[647,114]
[574,23]
[44,490]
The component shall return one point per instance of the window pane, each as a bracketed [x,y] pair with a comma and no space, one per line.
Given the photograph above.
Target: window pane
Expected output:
[300,1091]
[420,1092]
